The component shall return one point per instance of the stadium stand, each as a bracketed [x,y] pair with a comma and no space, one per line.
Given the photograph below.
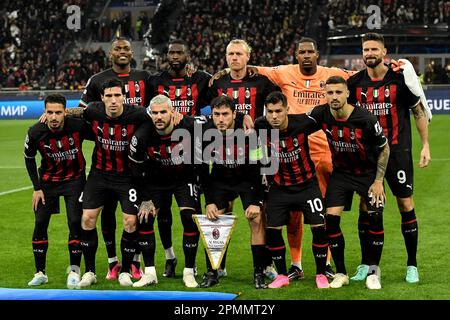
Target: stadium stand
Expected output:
[37,51]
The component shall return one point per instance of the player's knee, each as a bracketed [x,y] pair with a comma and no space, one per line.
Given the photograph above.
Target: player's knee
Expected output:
[256,224]
[376,220]
[405,204]
[318,233]
[40,234]
[187,221]
[41,223]
[108,221]
[362,205]
[333,224]
[129,222]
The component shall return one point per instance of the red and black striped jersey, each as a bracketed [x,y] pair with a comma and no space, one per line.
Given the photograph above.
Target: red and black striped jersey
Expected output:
[113,136]
[188,94]
[229,153]
[166,158]
[248,94]
[390,100]
[290,149]
[137,92]
[61,153]
[355,143]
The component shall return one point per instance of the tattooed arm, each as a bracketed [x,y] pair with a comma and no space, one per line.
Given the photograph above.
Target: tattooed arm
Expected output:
[422,128]
[376,190]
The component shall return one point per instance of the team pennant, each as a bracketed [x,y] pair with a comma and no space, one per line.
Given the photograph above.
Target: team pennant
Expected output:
[215,235]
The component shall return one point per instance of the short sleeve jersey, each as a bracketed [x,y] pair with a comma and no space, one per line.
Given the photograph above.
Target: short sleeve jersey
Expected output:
[137,91]
[112,136]
[303,92]
[290,149]
[61,152]
[248,94]
[188,94]
[390,100]
[355,143]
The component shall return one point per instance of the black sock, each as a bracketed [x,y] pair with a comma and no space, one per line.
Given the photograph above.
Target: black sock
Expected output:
[267,257]
[410,233]
[147,243]
[190,237]
[209,267]
[363,230]
[376,237]
[108,223]
[190,244]
[40,247]
[223,263]
[128,248]
[275,243]
[165,227]
[89,245]
[74,250]
[258,252]
[320,248]
[109,237]
[336,242]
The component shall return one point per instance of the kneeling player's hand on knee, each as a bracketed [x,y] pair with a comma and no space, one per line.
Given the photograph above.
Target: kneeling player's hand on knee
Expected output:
[211,211]
[376,193]
[38,195]
[147,208]
[252,211]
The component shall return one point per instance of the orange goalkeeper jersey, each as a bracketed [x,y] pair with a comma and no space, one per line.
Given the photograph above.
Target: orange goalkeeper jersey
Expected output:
[304,92]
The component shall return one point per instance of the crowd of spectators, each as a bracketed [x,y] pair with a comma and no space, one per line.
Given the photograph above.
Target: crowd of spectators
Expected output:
[105,29]
[436,74]
[271,27]
[353,13]
[32,34]
[74,73]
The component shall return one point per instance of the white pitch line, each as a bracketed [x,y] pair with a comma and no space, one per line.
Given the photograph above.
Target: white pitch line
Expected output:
[11,167]
[15,190]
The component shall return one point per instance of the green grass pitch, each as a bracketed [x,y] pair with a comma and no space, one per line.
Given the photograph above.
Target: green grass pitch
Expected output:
[432,194]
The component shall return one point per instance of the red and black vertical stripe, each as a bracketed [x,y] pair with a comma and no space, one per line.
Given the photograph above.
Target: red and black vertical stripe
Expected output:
[298,170]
